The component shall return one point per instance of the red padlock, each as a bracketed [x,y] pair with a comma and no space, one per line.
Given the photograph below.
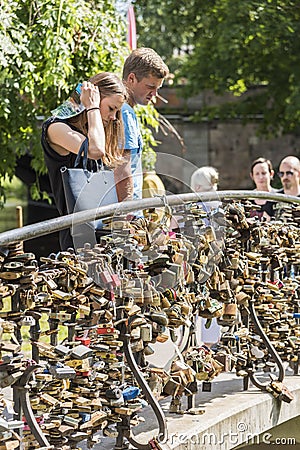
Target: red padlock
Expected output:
[106,277]
[105,330]
[84,340]
[116,282]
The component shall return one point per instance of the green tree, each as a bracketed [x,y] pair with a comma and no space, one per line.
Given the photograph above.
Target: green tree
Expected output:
[46,47]
[164,26]
[248,48]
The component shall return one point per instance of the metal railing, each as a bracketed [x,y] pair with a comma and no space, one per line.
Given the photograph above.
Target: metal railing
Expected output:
[60,223]
[49,226]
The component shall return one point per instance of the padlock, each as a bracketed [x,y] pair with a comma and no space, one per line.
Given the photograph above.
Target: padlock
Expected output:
[113,393]
[229,311]
[135,333]
[27,321]
[172,386]
[146,333]
[104,275]
[84,340]
[62,350]
[103,329]
[136,345]
[81,352]
[62,372]
[61,316]
[111,432]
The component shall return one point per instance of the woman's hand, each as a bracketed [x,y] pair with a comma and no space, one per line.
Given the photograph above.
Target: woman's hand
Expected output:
[90,98]
[90,95]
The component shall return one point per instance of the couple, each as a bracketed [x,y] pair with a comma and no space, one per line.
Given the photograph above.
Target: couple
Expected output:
[262,174]
[109,124]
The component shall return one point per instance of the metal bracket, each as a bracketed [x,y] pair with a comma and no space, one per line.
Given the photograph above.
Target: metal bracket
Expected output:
[22,403]
[124,427]
[271,349]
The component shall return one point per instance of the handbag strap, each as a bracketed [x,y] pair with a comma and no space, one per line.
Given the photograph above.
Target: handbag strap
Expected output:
[100,165]
[83,153]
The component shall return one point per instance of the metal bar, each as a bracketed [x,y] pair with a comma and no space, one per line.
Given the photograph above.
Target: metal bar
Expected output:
[43,228]
[162,435]
[270,348]
[20,389]
[60,223]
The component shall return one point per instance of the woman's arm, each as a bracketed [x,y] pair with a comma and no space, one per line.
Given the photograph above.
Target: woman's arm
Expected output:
[64,139]
[90,98]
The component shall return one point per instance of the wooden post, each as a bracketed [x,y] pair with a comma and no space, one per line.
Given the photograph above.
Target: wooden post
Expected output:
[19,215]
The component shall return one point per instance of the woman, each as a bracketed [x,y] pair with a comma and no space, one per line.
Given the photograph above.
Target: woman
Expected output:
[98,121]
[262,174]
[206,179]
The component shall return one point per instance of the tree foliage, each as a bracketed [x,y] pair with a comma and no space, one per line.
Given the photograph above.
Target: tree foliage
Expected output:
[46,47]
[248,48]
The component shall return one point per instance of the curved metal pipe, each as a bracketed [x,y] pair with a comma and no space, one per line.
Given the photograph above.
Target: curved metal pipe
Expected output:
[162,436]
[270,348]
[60,223]
[21,389]
[57,224]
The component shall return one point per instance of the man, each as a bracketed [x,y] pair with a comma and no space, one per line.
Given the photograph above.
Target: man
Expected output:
[143,74]
[289,173]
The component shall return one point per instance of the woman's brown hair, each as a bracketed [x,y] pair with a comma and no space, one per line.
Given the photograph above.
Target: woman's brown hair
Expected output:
[261,161]
[108,84]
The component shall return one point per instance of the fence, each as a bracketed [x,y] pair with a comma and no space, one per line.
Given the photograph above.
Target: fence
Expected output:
[124,323]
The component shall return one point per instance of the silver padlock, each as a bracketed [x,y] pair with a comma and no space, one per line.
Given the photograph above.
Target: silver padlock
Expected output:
[27,321]
[146,332]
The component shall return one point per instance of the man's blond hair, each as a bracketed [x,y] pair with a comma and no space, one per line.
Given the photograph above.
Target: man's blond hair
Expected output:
[145,62]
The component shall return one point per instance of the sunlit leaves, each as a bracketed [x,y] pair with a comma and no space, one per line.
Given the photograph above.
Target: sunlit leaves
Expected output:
[234,46]
[46,46]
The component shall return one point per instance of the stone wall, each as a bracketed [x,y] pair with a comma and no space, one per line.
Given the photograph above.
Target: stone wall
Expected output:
[229,146]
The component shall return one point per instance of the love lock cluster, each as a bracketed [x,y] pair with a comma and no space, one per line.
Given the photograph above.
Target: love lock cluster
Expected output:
[94,316]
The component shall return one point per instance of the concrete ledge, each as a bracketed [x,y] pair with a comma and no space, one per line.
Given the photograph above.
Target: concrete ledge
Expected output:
[232,416]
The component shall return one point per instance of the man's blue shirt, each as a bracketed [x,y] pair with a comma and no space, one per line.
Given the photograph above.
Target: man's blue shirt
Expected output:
[134,143]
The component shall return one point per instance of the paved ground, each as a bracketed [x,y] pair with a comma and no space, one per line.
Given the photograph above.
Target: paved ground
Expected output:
[230,414]
[225,383]
[252,412]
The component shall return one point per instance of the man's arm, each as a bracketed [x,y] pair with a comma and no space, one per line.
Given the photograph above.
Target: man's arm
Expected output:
[123,178]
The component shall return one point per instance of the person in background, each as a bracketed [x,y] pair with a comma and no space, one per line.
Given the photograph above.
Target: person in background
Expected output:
[289,174]
[143,74]
[262,173]
[99,121]
[206,179]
